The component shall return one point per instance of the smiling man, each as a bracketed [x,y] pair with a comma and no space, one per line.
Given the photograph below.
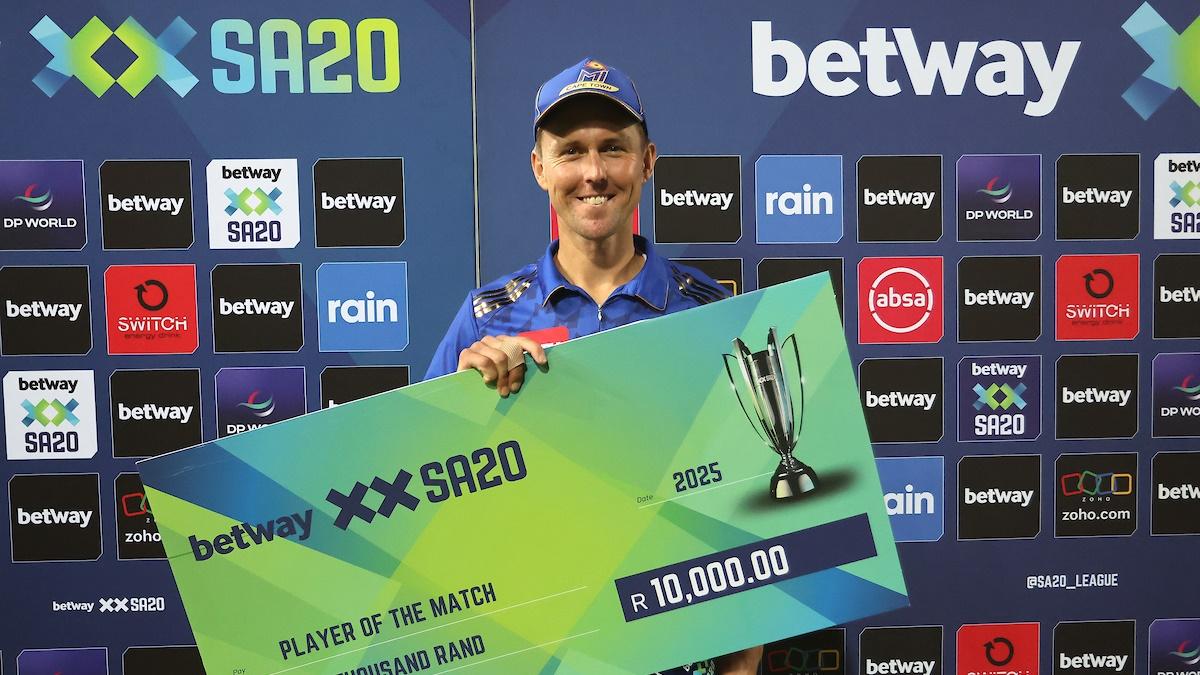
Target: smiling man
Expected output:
[592,154]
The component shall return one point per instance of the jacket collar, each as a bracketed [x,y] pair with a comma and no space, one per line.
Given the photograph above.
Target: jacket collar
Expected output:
[651,285]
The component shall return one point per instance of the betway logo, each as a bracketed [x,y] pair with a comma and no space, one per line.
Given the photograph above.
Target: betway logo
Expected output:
[1185,491]
[899,399]
[898,667]
[249,172]
[1190,165]
[141,203]
[41,310]
[1092,661]
[245,535]
[897,198]
[46,384]
[998,370]
[997,496]
[695,198]
[71,606]
[1094,395]
[1185,294]
[992,296]
[352,201]
[151,411]
[831,66]
[53,517]
[1096,196]
[256,307]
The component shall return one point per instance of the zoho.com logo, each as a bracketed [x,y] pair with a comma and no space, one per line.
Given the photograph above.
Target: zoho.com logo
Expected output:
[1176,61]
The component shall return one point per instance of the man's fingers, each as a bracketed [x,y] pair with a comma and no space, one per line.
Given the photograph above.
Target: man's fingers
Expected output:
[510,346]
[501,360]
[500,363]
[516,377]
[470,359]
[533,347]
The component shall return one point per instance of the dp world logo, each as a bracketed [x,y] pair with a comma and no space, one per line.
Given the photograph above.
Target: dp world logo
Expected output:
[1175,56]
[43,201]
[995,192]
[74,56]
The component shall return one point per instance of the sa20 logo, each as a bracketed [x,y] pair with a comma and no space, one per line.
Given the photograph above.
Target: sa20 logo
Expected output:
[247,58]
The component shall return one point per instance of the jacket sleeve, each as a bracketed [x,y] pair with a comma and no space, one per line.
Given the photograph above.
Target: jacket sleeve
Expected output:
[462,334]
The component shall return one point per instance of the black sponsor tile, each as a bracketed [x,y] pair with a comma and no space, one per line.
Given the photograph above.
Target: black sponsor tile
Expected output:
[999,298]
[1098,196]
[902,399]
[1177,295]
[1175,482]
[359,202]
[900,198]
[724,271]
[1094,648]
[1095,494]
[45,311]
[146,204]
[343,384]
[697,199]
[257,308]
[1096,396]
[999,497]
[900,649]
[154,411]
[55,518]
[773,271]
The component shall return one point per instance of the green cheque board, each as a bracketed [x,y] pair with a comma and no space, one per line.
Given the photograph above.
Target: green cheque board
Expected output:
[615,516]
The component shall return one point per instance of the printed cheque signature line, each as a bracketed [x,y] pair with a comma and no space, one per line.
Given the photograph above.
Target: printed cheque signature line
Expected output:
[519,651]
[452,623]
[693,493]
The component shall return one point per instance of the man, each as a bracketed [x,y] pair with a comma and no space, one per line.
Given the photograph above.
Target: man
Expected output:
[592,154]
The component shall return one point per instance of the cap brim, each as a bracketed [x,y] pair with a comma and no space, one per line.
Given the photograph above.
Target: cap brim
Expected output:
[624,106]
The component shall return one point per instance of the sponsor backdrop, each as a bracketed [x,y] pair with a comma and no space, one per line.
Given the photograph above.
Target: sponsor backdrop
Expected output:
[1009,199]
[223,216]
[213,217]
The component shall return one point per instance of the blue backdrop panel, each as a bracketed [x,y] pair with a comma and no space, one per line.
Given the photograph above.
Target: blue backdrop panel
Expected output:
[425,119]
[694,67]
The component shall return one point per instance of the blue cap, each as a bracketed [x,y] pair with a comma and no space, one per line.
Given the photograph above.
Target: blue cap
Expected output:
[589,76]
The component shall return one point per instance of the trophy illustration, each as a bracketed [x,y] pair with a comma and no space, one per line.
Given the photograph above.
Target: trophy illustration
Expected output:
[774,418]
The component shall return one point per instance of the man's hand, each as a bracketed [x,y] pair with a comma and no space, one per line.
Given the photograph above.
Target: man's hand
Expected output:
[490,356]
[744,662]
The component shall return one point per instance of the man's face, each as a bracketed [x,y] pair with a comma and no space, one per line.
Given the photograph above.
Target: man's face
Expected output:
[592,158]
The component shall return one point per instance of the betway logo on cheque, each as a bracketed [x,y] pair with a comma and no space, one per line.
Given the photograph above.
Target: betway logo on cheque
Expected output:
[836,68]
[246,535]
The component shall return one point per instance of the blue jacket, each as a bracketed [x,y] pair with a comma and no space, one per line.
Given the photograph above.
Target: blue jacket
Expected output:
[538,301]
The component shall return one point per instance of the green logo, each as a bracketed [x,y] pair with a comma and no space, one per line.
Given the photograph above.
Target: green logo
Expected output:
[50,413]
[1176,60]
[75,56]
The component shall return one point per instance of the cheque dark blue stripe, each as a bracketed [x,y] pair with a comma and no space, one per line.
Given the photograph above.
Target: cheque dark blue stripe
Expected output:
[742,568]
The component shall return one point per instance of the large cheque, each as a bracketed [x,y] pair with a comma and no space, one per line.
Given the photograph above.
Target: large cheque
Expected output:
[667,491]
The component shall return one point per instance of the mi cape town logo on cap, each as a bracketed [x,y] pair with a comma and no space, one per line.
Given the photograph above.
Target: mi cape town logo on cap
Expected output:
[593,75]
